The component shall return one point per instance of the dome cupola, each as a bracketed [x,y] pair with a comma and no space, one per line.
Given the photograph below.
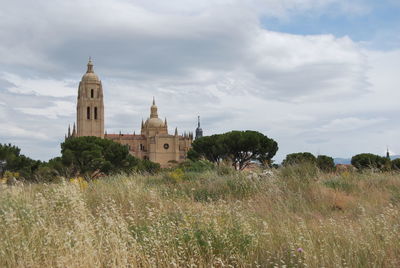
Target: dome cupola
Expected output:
[153,110]
[154,121]
[90,76]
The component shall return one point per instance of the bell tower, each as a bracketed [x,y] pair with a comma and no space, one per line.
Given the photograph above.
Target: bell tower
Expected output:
[90,107]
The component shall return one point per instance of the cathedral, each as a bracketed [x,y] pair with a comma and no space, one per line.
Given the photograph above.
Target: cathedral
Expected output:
[153,143]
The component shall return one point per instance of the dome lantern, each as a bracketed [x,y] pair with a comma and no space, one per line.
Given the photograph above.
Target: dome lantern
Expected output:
[153,110]
[90,76]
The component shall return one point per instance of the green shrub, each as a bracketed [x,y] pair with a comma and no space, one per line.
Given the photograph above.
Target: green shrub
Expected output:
[325,163]
[370,161]
[299,158]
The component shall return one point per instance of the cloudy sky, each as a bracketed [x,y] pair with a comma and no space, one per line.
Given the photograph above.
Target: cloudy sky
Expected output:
[315,75]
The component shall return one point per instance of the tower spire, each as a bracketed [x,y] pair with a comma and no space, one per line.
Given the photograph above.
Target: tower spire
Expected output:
[199,130]
[90,66]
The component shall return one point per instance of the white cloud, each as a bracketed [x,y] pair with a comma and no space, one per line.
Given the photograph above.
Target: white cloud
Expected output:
[39,86]
[294,66]
[14,131]
[383,76]
[60,108]
[348,124]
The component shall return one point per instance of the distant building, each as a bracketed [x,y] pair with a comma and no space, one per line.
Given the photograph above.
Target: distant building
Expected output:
[199,130]
[153,143]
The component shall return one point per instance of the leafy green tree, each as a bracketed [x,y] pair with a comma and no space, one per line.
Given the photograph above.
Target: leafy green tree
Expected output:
[7,150]
[16,162]
[55,167]
[209,147]
[325,163]
[240,147]
[89,154]
[299,158]
[370,161]
[193,155]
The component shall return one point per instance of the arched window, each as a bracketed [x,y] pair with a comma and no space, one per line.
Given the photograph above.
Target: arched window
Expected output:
[88,112]
[92,93]
[95,113]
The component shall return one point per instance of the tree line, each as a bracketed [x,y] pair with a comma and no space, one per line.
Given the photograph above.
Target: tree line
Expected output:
[81,156]
[323,162]
[241,148]
[360,161]
[87,156]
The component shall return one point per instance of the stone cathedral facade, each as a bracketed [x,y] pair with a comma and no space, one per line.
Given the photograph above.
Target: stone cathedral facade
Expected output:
[153,143]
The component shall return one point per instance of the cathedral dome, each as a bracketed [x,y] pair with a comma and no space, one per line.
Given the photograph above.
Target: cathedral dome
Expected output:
[154,122]
[90,77]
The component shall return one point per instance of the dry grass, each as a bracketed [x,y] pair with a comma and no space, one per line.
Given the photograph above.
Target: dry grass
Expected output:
[294,218]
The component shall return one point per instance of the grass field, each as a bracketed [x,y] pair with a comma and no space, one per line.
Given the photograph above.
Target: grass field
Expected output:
[295,217]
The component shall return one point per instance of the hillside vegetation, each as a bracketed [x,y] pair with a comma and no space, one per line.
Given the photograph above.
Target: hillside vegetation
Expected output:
[293,217]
